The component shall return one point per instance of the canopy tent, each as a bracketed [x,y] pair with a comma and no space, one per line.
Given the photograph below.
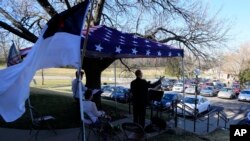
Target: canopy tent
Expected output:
[62,34]
[108,42]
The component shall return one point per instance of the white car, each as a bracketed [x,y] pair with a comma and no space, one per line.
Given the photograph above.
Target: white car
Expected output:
[178,87]
[226,92]
[203,104]
[107,91]
[244,95]
[190,89]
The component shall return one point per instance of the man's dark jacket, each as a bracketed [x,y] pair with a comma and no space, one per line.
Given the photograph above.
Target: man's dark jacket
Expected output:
[139,89]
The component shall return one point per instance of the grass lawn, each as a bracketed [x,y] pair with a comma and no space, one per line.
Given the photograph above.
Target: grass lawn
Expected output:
[60,105]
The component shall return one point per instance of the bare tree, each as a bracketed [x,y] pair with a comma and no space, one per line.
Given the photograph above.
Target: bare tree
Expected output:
[3,47]
[237,61]
[185,24]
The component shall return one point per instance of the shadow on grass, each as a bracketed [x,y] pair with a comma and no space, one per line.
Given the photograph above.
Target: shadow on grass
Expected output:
[60,105]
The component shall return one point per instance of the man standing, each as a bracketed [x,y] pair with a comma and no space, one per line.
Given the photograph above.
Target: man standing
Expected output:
[139,89]
[75,84]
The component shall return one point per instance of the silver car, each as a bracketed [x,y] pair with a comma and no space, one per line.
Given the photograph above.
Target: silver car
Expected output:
[178,87]
[244,95]
[208,91]
[226,92]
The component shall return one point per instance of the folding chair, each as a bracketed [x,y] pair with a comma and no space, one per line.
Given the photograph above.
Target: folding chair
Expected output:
[133,132]
[105,129]
[40,121]
[91,126]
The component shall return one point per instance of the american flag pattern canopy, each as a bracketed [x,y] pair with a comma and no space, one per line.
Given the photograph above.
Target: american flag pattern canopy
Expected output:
[104,41]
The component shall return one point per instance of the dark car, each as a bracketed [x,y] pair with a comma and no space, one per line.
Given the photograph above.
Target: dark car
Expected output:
[166,84]
[168,98]
[120,94]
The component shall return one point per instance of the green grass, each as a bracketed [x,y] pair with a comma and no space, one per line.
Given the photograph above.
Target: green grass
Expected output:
[63,107]
[60,105]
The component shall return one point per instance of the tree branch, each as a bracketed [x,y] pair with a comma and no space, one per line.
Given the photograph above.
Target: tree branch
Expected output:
[17,24]
[18,33]
[67,4]
[47,7]
[98,12]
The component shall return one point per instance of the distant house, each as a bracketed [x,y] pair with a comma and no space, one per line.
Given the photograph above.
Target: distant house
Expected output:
[218,74]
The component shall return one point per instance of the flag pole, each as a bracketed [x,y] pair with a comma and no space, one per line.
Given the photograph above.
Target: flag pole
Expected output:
[19,55]
[80,68]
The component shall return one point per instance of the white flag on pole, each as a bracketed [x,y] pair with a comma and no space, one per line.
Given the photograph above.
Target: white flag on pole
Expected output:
[58,45]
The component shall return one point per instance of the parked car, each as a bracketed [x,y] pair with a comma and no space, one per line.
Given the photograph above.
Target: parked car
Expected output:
[120,94]
[166,84]
[226,92]
[107,91]
[168,98]
[209,83]
[244,95]
[203,104]
[208,91]
[191,89]
[178,87]
[236,88]
[218,86]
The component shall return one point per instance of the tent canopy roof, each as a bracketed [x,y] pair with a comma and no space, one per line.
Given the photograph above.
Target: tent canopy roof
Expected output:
[104,41]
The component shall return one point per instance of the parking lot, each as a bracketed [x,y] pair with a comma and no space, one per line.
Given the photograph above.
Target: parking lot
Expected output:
[233,109]
[230,104]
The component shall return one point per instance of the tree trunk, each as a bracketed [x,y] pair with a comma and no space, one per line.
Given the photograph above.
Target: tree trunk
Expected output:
[93,68]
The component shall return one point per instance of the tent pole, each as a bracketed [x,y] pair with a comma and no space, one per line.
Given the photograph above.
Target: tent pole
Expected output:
[80,66]
[115,88]
[184,116]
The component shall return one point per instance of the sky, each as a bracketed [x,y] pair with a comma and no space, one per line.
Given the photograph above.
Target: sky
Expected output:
[237,11]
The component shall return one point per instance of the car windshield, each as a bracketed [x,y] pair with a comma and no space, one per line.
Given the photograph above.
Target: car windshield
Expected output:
[245,92]
[119,90]
[107,89]
[225,89]
[168,97]
[236,86]
[178,85]
[208,88]
[190,100]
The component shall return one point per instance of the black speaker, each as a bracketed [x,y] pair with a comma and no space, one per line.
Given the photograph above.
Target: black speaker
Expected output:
[155,95]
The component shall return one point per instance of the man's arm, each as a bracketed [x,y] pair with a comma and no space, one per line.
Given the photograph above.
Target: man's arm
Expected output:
[96,112]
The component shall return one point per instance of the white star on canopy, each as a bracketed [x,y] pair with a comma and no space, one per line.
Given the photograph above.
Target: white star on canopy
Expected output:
[134,51]
[118,49]
[169,54]
[99,48]
[159,53]
[148,52]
